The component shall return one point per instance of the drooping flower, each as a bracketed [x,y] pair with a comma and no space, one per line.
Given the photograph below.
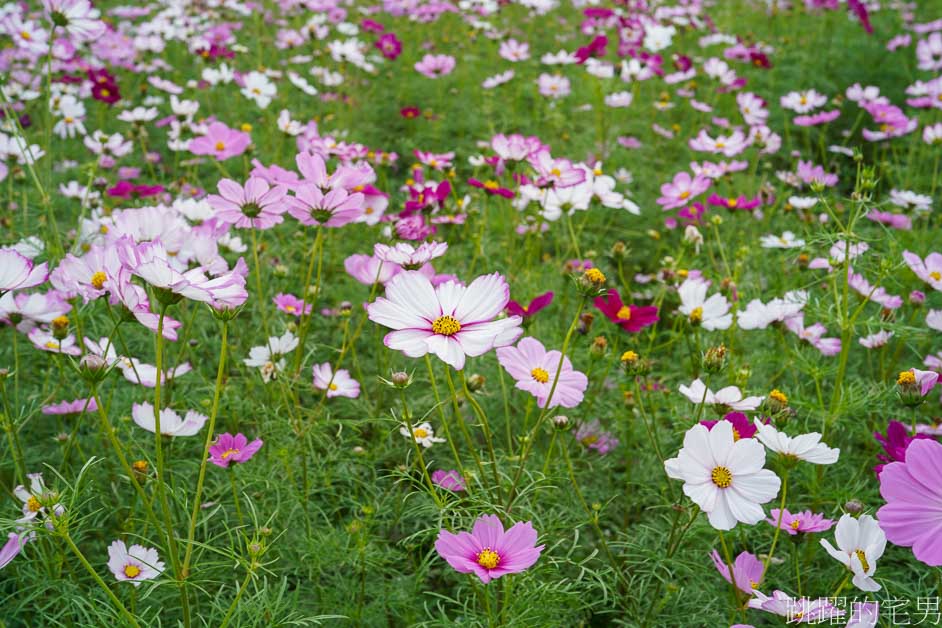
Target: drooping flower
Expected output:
[270,358]
[38,500]
[18,272]
[171,423]
[338,384]
[133,564]
[860,544]
[535,370]
[450,480]
[807,447]
[747,571]
[800,522]
[12,548]
[450,320]
[723,476]
[488,551]
[71,407]
[229,448]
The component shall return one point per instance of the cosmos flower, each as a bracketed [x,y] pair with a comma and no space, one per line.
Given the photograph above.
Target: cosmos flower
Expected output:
[256,205]
[807,447]
[488,551]
[450,480]
[723,476]
[730,397]
[12,548]
[171,423]
[290,304]
[422,433]
[631,318]
[536,305]
[17,272]
[711,314]
[221,142]
[860,544]
[229,448]
[338,384]
[71,407]
[592,436]
[435,66]
[450,320]
[535,370]
[929,270]
[133,564]
[747,571]
[800,522]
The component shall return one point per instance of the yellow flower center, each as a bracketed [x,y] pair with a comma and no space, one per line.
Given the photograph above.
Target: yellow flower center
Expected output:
[69,119]
[794,525]
[290,309]
[732,202]
[696,316]
[629,356]
[446,326]
[220,146]
[491,185]
[132,571]
[556,172]
[98,280]
[52,344]
[906,377]
[540,375]
[105,93]
[720,145]
[595,276]
[936,275]
[420,432]
[736,435]
[685,194]
[246,127]
[333,386]
[33,504]
[103,229]
[488,558]
[803,100]
[140,466]
[624,313]
[722,477]
[229,452]
[862,557]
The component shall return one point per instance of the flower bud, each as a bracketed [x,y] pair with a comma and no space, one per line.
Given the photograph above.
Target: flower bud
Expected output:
[591,283]
[585,322]
[599,347]
[714,360]
[917,297]
[619,250]
[908,389]
[853,506]
[476,382]
[776,402]
[93,368]
[561,422]
[401,379]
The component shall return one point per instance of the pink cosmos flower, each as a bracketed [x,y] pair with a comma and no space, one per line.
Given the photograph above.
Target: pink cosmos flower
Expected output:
[535,370]
[817,119]
[743,426]
[257,205]
[229,448]
[895,443]
[631,318]
[18,271]
[537,304]
[734,202]
[560,173]
[747,571]
[911,517]
[488,551]
[800,522]
[592,436]
[450,480]
[134,564]
[814,335]
[929,270]
[72,407]
[221,142]
[338,384]
[891,220]
[450,320]
[410,257]
[437,161]
[389,45]
[45,341]
[12,548]
[336,208]
[434,66]
[369,269]
[290,304]
[682,190]
[150,262]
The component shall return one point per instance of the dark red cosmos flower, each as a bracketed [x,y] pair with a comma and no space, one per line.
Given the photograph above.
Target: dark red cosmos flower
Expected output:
[743,426]
[895,442]
[538,303]
[596,48]
[491,187]
[389,45]
[631,318]
[126,189]
[410,112]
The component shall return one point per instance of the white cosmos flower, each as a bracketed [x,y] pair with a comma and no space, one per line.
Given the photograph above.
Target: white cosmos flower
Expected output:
[133,564]
[785,241]
[270,358]
[711,314]
[171,423]
[807,447]
[860,544]
[723,476]
[730,396]
[422,433]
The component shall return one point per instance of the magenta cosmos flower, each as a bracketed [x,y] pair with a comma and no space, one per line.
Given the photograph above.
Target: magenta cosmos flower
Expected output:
[257,205]
[488,551]
[913,491]
[538,303]
[450,320]
[631,318]
[434,66]
[803,522]
[221,142]
[229,448]
[535,369]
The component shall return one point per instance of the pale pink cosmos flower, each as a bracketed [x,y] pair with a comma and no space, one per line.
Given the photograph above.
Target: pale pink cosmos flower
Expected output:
[369,269]
[682,190]
[313,171]
[45,341]
[435,66]
[560,173]
[18,272]
[450,320]
[256,205]
[133,564]
[78,406]
[12,548]
[229,448]
[488,551]
[409,257]
[336,208]
[150,262]
[553,85]
[290,304]
[514,51]
[929,269]
[876,340]
[338,384]
[813,335]
[450,480]
[171,423]
[535,370]
[747,571]
[78,18]
[803,102]
[800,522]
[220,141]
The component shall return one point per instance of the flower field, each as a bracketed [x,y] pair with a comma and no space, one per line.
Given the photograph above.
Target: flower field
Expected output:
[477,313]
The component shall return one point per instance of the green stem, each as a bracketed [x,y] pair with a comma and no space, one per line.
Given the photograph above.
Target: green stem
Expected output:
[114,599]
